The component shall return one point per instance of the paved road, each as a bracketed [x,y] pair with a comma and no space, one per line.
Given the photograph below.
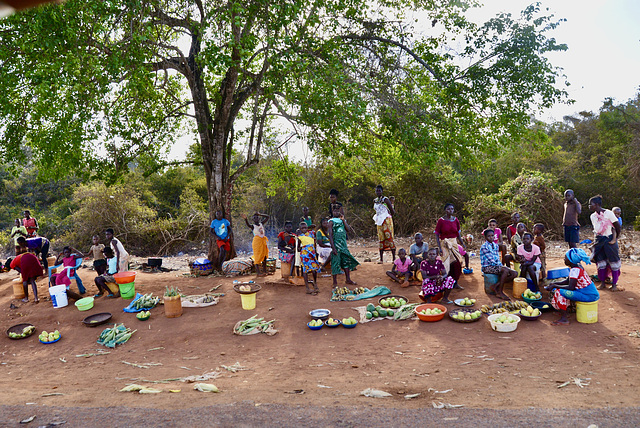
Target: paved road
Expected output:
[247,414]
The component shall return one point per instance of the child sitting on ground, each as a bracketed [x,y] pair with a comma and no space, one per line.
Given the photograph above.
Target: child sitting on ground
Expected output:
[99,262]
[435,279]
[307,250]
[401,268]
[531,263]
[107,276]
[538,230]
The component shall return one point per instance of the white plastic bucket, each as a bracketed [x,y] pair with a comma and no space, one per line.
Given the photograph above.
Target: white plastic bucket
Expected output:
[59,296]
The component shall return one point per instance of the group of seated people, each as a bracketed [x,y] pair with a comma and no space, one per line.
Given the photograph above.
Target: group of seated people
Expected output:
[106,263]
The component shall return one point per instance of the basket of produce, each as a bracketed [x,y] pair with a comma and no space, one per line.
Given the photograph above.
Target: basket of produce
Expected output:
[20,331]
[320,314]
[430,312]
[529,296]
[504,322]
[271,265]
[529,313]
[315,324]
[393,301]
[143,315]
[542,306]
[97,319]
[48,338]
[125,277]
[503,307]
[247,288]
[465,315]
[465,302]
[350,322]
[331,323]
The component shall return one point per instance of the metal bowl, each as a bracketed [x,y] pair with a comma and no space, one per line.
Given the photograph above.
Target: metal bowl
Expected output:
[18,330]
[320,314]
[97,319]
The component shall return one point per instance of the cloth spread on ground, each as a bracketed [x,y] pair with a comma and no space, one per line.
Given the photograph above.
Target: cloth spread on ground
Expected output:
[199,301]
[379,290]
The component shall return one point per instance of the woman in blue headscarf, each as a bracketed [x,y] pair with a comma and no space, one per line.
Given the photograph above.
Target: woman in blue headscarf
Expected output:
[577,287]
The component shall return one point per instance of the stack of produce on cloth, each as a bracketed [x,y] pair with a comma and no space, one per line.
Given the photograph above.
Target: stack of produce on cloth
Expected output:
[119,334]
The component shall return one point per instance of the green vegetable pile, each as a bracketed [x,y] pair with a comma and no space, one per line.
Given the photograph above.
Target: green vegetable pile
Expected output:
[146,302]
[119,334]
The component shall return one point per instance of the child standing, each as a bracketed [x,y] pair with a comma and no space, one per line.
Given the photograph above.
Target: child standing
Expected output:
[323,243]
[220,228]
[18,231]
[307,218]
[435,279]
[287,245]
[341,259]
[401,268]
[99,262]
[107,276]
[538,230]
[618,213]
[260,249]
[307,250]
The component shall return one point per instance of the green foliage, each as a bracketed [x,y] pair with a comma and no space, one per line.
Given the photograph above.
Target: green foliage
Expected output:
[533,194]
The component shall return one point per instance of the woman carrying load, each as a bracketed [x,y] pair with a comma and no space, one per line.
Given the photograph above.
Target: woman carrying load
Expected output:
[384,223]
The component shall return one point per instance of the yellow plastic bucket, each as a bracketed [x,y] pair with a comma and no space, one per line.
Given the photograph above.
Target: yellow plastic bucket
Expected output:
[519,285]
[587,312]
[248,301]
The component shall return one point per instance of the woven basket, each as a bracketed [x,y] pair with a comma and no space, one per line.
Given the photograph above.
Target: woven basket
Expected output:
[271,265]
[201,269]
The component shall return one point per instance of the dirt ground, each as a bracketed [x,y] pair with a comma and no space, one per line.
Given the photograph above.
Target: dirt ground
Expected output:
[445,362]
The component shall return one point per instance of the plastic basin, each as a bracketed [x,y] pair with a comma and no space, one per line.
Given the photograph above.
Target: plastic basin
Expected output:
[84,304]
[430,318]
[503,328]
[124,277]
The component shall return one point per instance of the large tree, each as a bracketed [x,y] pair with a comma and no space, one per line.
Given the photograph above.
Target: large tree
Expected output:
[88,86]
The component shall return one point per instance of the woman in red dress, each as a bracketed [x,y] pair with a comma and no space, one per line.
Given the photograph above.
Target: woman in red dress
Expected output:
[447,238]
[30,268]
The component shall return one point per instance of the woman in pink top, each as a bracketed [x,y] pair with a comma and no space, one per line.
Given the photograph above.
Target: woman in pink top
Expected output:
[401,268]
[530,255]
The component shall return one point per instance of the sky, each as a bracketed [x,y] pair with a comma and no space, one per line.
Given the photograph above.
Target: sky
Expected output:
[603,56]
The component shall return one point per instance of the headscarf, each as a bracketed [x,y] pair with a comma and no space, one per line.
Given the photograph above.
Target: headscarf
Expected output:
[577,255]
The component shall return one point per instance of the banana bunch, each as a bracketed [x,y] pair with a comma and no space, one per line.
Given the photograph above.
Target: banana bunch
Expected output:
[360,290]
[503,307]
[342,291]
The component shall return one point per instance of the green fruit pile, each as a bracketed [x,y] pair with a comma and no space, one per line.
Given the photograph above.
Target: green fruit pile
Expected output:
[315,323]
[505,319]
[349,321]
[378,312]
[529,312]
[466,316]
[392,302]
[49,337]
[531,295]
[467,302]
[434,311]
[331,321]
[27,331]
[143,315]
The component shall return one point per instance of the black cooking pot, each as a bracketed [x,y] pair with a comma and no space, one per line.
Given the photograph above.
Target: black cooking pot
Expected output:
[154,262]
